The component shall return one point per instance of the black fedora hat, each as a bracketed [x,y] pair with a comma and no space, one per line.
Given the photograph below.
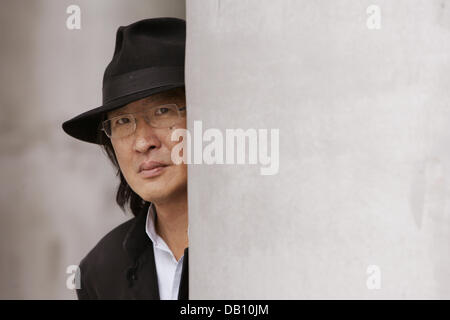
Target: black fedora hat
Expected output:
[148,58]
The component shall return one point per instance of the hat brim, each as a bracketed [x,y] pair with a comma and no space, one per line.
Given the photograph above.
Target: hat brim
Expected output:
[86,126]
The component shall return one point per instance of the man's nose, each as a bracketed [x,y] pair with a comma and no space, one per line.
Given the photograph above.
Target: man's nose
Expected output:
[145,135]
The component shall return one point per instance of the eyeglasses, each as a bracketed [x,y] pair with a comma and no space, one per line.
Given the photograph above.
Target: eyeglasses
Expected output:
[163,116]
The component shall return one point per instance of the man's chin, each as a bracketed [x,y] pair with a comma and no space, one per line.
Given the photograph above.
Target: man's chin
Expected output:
[162,193]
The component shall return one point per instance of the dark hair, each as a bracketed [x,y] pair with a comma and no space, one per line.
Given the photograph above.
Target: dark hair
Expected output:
[125,195]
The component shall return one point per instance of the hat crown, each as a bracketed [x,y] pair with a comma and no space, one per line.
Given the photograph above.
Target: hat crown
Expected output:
[157,42]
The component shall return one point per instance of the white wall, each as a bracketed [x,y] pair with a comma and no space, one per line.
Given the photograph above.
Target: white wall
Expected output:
[364,118]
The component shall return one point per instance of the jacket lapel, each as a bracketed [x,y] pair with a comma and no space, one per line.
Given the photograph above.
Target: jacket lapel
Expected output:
[141,274]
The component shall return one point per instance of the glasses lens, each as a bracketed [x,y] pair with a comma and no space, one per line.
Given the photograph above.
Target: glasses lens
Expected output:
[164,116]
[119,127]
[160,117]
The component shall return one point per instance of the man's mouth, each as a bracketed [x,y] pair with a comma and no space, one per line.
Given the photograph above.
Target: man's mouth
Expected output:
[150,171]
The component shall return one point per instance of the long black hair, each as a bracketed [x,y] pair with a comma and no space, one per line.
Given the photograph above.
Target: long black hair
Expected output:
[125,195]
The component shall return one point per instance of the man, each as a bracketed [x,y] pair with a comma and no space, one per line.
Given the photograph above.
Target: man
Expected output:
[143,102]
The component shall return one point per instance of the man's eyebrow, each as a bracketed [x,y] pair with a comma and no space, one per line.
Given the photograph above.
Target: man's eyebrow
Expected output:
[152,99]
[119,113]
[145,102]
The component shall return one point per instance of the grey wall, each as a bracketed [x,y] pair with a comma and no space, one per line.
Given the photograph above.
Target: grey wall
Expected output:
[364,117]
[57,195]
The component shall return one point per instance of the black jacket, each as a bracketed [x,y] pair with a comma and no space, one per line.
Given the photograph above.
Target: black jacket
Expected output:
[122,265]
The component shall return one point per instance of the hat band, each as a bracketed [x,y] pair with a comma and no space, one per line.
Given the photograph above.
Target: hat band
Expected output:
[140,80]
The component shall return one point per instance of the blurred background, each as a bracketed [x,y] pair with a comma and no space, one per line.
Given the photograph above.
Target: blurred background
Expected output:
[57,194]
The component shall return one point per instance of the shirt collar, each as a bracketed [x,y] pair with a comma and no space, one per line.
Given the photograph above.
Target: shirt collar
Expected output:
[151,230]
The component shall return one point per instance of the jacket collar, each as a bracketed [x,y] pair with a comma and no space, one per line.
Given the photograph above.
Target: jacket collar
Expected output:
[139,248]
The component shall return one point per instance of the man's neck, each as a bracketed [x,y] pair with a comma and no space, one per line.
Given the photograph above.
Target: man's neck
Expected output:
[172,224]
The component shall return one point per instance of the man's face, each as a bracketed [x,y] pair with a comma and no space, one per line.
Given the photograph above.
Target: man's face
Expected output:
[151,144]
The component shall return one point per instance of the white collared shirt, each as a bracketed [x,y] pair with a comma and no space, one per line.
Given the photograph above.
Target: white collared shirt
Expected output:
[168,268]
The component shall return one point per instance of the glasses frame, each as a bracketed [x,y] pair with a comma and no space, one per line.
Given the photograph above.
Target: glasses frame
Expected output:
[177,107]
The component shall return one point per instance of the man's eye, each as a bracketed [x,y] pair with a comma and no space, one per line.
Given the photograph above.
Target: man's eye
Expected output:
[122,121]
[161,111]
